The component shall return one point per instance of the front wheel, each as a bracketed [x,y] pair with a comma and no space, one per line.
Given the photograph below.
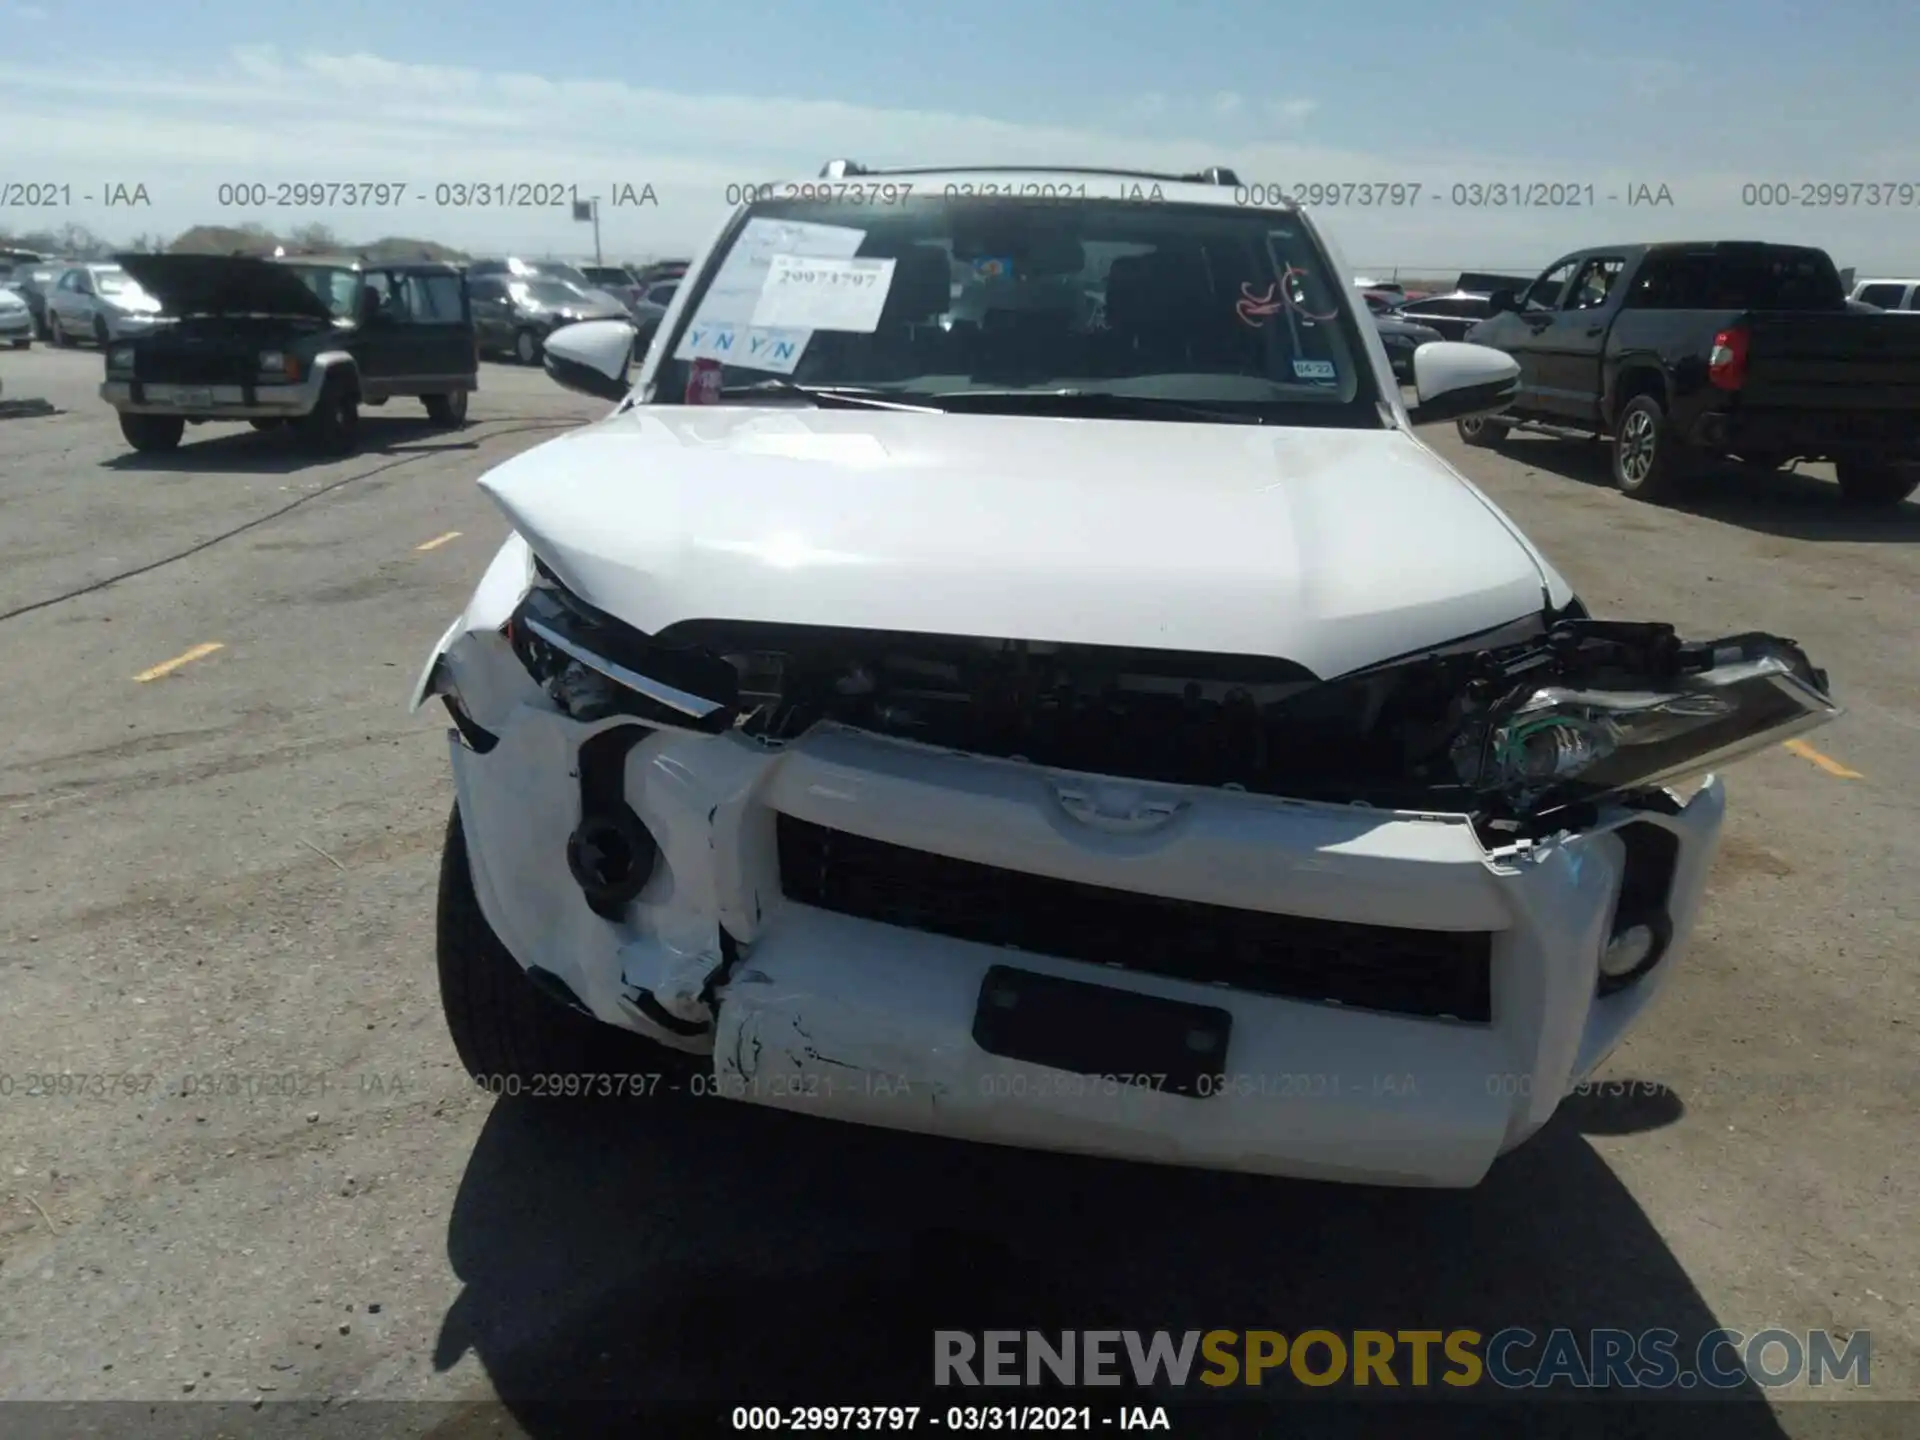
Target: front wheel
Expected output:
[1481,432]
[152,432]
[332,427]
[511,1036]
[56,337]
[1650,462]
[1875,484]
[26,344]
[101,335]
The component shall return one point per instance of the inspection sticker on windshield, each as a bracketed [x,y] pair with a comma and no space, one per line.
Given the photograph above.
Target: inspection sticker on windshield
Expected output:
[723,328]
[1315,370]
[805,292]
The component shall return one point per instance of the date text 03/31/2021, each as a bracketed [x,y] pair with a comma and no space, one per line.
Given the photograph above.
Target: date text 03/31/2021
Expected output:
[787,1419]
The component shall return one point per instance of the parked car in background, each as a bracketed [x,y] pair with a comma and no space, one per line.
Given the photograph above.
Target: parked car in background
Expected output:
[1452,315]
[658,270]
[303,342]
[12,260]
[31,283]
[514,313]
[1402,338]
[514,265]
[616,280]
[98,303]
[661,293]
[1900,296]
[1691,352]
[16,320]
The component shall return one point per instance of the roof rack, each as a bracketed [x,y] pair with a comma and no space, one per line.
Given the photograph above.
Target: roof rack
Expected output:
[1212,175]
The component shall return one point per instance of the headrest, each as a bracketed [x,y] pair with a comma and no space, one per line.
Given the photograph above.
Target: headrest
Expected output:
[922,283]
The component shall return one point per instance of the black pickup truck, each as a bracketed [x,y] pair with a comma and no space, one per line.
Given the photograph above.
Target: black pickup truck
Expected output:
[1687,353]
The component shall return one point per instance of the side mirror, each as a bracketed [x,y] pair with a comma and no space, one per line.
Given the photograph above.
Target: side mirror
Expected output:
[592,357]
[1502,302]
[1456,381]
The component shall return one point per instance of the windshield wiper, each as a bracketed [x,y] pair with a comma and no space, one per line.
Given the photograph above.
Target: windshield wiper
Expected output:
[1098,402]
[849,396]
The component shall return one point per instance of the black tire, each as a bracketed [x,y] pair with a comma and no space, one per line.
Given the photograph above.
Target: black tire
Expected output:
[1482,432]
[506,1030]
[1650,462]
[272,422]
[527,348]
[101,335]
[152,432]
[1875,484]
[448,411]
[56,337]
[332,427]
[25,344]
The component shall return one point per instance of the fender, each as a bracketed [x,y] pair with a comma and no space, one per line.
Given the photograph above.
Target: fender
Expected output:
[505,584]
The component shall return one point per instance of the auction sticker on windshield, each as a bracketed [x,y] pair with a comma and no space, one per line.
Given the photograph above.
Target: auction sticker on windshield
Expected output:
[723,327]
[824,294]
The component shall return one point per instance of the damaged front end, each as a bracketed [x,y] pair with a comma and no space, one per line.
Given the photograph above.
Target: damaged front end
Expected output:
[819,857]
[1520,730]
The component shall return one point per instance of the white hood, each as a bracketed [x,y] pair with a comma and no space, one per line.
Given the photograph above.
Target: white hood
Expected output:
[1331,548]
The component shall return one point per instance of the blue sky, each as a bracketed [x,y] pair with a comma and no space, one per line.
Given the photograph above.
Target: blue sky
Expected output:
[1701,98]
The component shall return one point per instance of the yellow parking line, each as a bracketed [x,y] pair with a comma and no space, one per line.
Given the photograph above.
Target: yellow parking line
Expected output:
[439,540]
[167,667]
[1825,762]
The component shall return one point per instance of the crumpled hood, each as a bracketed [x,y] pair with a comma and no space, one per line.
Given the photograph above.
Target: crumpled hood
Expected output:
[1331,548]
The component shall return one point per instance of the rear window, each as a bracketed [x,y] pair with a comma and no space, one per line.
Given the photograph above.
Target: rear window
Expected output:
[1739,277]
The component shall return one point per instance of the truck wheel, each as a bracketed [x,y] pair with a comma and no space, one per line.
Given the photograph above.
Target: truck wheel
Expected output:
[449,410]
[506,1030]
[1481,432]
[152,432]
[1650,462]
[1875,484]
[333,425]
[526,348]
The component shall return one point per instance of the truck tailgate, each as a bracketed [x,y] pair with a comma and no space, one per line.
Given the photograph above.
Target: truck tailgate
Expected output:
[1832,360]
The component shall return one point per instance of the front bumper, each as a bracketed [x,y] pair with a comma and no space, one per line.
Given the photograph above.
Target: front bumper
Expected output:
[16,324]
[808,1009]
[214,402]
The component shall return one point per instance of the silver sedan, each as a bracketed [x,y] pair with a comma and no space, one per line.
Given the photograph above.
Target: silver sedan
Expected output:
[99,303]
[16,320]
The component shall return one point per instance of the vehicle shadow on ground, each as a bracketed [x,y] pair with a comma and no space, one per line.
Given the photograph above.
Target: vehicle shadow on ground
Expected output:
[280,452]
[1785,503]
[690,1255]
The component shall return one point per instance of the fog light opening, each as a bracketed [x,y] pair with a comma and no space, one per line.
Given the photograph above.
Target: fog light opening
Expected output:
[1634,948]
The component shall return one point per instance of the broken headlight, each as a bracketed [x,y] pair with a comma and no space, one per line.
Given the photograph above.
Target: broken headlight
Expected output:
[1600,718]
[592,665]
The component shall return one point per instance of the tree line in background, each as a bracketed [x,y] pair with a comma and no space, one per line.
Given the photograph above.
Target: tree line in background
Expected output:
[77,242]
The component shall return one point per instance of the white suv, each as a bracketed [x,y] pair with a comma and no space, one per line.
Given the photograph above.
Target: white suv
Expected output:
[1097,723]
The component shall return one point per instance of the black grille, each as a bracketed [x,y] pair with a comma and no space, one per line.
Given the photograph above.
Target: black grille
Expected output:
[1374,967]
[193,367]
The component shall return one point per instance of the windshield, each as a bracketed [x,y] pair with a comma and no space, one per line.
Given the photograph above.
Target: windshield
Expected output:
[112,282]
[546,292]
[335,287]
[942,296]
[554,270]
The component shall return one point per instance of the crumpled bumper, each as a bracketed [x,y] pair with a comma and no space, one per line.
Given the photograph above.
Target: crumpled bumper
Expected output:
[816,1010]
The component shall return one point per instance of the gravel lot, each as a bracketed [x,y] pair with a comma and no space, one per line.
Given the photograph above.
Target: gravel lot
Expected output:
[225,874]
